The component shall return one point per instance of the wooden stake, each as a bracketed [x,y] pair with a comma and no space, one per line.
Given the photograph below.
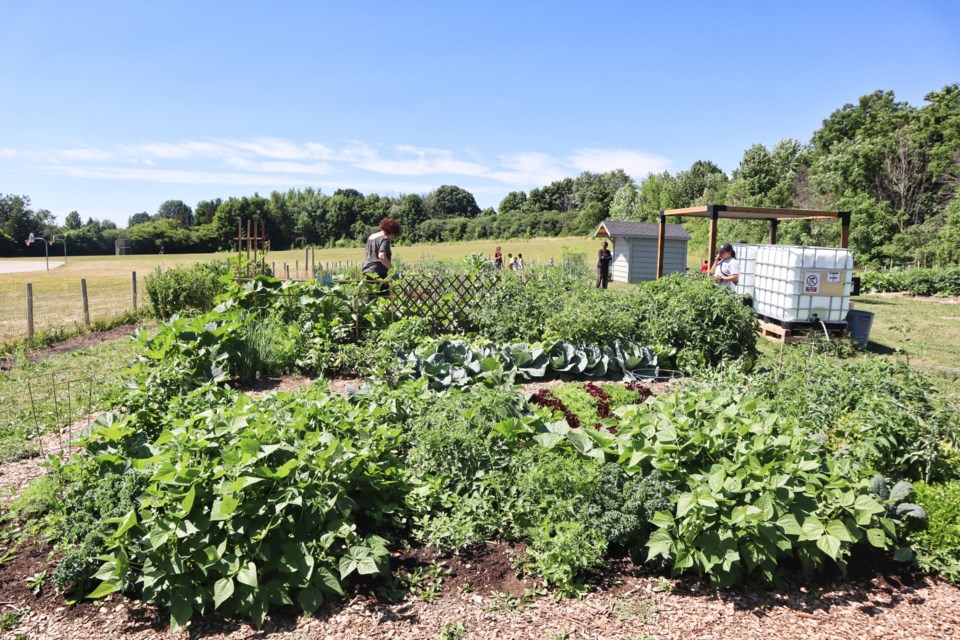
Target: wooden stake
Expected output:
[86,302]
[30,333]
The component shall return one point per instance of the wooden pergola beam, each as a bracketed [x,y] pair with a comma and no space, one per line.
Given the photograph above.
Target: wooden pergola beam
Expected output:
[752,213]
[775,216]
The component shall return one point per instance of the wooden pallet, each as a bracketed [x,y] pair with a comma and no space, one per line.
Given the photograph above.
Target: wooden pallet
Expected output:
[777,333]
[796,333]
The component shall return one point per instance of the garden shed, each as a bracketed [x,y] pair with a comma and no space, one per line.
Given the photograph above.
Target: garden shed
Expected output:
[635,248]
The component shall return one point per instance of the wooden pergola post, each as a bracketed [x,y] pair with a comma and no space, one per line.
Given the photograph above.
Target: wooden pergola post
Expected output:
[714,212]
[774,224]
[844,228]
[661,235]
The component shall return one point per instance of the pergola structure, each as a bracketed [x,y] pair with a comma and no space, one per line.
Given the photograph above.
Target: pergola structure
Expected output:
[717,211]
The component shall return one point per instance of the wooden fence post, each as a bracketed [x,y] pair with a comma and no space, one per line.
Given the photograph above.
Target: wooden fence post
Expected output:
[30,333]
[86,302]
[133,286]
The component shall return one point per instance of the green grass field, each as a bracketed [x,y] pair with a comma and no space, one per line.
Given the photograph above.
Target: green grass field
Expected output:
[57,302]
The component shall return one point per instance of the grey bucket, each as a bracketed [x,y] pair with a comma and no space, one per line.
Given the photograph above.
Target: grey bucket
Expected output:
[859,323]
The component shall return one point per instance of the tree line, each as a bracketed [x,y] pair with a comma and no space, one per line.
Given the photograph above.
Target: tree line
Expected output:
[896,167]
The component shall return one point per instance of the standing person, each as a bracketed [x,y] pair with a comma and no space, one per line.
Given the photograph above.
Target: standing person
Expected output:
[550,264]
[510,263]
[726,269]
[519,263]
[377,259]
[705,267]
[498,258]
[604,258]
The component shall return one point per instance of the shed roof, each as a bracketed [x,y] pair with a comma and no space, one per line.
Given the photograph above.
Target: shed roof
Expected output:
[625,229]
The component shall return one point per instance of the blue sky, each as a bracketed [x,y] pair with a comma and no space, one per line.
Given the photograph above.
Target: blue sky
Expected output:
[110,108]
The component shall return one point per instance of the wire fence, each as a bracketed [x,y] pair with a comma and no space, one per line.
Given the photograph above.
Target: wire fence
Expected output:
[43,308]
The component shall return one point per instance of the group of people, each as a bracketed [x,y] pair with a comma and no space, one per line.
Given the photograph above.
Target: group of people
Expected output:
[513,263]
[377,260]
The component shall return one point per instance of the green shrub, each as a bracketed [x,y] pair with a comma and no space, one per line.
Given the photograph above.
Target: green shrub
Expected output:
[702,323]
[881,413]
[187,290]
[517,308]
[937,547]
[920,282]
[592,315]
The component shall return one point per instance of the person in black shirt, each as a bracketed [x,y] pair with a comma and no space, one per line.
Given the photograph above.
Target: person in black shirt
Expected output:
[604,258]
[376,261]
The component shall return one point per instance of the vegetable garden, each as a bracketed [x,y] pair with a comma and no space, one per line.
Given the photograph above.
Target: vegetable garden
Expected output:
[190,495]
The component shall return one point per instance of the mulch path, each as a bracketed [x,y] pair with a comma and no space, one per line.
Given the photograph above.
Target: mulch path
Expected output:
[480,593]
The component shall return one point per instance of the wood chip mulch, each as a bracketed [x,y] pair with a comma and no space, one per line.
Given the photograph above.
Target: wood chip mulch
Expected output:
[631,603]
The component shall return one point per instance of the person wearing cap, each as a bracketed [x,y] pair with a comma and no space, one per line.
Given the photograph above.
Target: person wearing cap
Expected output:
[726,269]
[604,258]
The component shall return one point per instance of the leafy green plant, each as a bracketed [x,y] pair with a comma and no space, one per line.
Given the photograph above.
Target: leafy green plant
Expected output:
[452,631]
[754,489]
[704,324]
[937,546]
[517,308]
[594,316]
[36,581]
[9,620]
[921,282]
[881,413]
[455,363]
[254,504]
[188,289]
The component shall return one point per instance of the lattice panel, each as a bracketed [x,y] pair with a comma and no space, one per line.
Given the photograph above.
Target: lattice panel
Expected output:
[441,299]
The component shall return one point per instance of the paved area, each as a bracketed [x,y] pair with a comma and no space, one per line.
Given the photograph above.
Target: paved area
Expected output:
[23,266]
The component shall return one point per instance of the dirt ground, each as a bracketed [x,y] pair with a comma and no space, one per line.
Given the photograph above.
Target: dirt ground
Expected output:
[479,597]
[477,594]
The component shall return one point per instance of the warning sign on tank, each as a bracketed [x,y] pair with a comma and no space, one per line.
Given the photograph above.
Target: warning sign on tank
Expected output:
[811,282]
[833,277]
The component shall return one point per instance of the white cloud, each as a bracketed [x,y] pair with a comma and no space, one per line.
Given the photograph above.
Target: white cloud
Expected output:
[281,162]
[423,162]
[637,164]
[175,176]
[530,169]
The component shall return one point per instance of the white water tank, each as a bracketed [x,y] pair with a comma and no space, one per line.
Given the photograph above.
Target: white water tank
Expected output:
[799,284]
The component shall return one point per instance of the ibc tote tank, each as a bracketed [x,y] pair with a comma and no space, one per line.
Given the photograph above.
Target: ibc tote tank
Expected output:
[794,283]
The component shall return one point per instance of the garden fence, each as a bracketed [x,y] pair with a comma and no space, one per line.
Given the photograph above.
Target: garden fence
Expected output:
[441,299]
[37,308]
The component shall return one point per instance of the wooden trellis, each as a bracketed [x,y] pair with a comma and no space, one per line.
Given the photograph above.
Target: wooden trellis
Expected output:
[441,299]
[254,242]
